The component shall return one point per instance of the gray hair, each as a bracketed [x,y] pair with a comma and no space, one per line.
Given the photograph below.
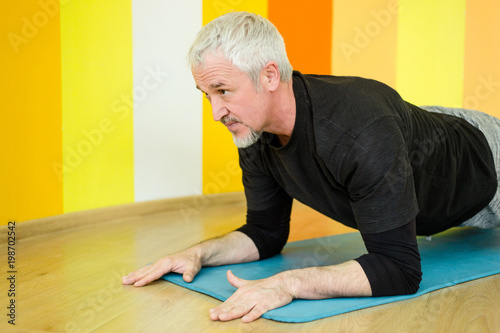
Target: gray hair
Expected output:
[247,40]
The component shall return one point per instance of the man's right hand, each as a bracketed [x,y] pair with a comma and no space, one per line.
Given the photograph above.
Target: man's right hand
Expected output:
[188,263]
[233,248]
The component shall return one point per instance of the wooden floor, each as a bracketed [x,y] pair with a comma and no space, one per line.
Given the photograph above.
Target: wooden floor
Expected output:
[70,281]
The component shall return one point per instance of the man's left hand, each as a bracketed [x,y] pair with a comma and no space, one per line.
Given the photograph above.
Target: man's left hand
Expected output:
[253,298]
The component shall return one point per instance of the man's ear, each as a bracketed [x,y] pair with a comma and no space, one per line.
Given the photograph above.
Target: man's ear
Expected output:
[271,76]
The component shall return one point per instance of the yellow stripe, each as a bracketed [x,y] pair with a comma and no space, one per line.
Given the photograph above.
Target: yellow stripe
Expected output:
[364,39]
[96,43]
[30,120]
[221,171]
[431,37]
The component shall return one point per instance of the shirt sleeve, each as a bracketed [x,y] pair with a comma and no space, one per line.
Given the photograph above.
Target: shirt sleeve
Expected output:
[378,175]
[268,229]
[392,264]
[268,205]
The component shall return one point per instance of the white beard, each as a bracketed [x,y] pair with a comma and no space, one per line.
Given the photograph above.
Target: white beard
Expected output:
[247,140]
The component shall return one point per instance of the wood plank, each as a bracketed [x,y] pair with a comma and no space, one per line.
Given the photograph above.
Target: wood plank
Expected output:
[188,206]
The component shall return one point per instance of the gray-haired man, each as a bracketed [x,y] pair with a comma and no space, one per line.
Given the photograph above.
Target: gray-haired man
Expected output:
[348,147]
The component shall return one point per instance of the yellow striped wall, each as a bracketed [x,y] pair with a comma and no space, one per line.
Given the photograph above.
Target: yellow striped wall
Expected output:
[99,108]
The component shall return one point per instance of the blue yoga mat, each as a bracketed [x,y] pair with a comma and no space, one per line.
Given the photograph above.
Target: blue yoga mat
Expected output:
[455,256]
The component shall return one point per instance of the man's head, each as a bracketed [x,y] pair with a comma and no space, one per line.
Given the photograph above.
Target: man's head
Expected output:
[238,61]
[235,100]
[247,40]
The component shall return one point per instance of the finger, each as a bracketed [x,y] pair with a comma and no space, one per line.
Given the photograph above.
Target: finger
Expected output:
[256,313]
[188,276]
[151,275]
[134,276]
[190,272]
[146,274]
[235,281]
[225,311]
[128,280]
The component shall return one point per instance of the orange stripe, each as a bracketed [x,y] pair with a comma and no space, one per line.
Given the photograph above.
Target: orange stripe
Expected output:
[482,54]
[306,27]
[30,63]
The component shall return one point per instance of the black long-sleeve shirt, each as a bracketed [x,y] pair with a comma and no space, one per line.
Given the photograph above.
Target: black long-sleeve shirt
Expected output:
[366,158]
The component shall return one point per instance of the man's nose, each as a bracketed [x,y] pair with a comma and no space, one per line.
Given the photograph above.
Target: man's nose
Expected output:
[219,109]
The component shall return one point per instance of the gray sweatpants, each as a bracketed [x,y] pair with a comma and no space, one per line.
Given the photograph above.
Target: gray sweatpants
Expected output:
[489,217]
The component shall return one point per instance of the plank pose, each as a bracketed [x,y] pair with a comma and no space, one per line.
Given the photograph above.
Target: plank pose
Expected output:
[348,147]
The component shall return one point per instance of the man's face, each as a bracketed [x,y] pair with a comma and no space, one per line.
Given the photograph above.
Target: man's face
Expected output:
[235,101]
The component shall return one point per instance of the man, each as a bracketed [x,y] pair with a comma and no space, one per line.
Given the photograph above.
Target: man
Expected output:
[348,147]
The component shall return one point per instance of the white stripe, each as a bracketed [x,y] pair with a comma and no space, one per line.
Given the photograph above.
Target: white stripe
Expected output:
[167,107]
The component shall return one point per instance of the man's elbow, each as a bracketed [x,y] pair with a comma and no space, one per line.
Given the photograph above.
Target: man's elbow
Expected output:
[413,283]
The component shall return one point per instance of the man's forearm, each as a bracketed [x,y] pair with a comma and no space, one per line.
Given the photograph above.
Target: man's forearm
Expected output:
[343,280]
[253,298]
[232,248]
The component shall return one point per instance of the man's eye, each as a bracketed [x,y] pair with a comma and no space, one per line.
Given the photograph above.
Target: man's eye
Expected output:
[222,92]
